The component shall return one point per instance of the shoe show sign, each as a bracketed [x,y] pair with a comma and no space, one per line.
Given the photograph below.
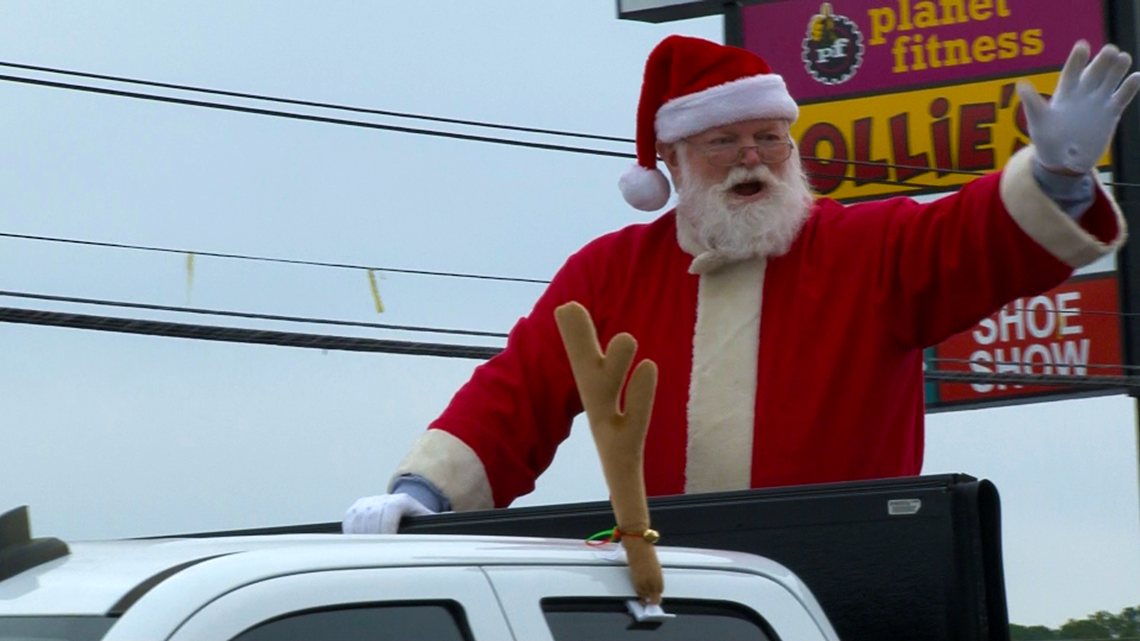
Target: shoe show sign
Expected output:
[1071,330]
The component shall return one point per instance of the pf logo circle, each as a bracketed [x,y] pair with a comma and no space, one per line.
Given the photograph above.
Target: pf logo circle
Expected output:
[833,47]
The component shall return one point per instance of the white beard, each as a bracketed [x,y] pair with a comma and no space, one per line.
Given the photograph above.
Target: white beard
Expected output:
[716,231]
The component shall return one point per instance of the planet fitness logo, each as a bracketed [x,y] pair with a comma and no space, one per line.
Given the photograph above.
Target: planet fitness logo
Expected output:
[833,48]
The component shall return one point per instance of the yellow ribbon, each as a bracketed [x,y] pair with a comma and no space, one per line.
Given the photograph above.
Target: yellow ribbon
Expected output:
[375,291]
[189,275]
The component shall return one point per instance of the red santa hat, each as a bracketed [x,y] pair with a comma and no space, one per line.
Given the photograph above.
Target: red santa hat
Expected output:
[692,85]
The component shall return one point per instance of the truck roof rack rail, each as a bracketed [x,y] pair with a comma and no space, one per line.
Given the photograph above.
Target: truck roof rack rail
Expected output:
[18,550]
[303,528]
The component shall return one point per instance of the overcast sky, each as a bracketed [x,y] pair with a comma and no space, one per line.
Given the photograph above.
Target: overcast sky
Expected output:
[113,435]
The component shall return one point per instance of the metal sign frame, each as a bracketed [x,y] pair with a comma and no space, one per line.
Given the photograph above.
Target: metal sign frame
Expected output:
[658,11]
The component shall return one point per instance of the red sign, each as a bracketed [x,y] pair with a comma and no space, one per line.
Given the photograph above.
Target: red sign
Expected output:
[1072,330]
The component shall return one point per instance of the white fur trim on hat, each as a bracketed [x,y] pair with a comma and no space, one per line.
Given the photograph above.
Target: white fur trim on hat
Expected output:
[645,189]
[763,96]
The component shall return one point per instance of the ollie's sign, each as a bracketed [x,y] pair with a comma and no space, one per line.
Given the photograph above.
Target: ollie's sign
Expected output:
[926,140]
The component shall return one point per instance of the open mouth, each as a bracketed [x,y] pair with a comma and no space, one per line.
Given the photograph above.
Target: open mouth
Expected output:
[750,188]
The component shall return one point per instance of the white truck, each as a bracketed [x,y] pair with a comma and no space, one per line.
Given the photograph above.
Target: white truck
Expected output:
[407,586]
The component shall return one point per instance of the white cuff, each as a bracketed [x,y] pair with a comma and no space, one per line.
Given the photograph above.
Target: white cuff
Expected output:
[1045,222]
[452,466]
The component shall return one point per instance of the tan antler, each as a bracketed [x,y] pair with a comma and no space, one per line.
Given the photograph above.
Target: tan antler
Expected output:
[619,436]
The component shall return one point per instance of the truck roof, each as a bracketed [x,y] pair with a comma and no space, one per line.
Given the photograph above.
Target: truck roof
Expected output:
[106,577]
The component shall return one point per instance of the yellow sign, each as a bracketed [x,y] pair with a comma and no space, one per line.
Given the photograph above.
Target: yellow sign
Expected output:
[929,140]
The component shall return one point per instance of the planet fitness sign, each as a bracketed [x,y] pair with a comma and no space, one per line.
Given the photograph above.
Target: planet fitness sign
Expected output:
[829,49]
[898,95]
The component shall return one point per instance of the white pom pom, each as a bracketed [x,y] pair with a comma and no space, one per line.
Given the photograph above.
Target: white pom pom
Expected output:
[645,189]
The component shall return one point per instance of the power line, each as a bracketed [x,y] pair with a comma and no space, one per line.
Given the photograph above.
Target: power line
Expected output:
[371,125]
[241,335]
[912,186]
[393,270]
[353,344]
[312,103]
[269,259]
[338,265]
[249,315]
[312,118]
[1051,380]
[458,332]
[429,118]
[875,164]
[966,361]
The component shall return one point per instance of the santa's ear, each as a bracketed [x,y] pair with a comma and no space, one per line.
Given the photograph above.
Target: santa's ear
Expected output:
[668,152]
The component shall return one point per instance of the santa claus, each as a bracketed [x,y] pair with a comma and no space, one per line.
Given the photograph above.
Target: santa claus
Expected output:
[788,330]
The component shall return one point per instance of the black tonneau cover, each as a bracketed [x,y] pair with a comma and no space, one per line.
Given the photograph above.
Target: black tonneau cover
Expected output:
[911,558]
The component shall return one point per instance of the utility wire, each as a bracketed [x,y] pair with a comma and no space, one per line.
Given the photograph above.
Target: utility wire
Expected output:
[312,103]
[875,164]
[913,186]
[988,364]
[438,330]
[394,270]
[241,335]
[423,117]
[268,259]
[312,118]
[1057,380]
[383,127]
[351,123]
[250,315]
[419,272]
[353,344]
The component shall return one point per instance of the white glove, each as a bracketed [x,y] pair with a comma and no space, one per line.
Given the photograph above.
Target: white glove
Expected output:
[1073,129]
[381,514]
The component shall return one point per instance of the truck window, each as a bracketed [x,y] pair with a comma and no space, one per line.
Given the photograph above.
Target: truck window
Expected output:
[408,621]
[54,628]
[592,619]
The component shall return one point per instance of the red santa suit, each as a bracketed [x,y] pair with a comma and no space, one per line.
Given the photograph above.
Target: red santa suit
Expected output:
[791,369]
[801,368]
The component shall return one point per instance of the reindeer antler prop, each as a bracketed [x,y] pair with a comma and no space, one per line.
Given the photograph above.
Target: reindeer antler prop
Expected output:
[619,436]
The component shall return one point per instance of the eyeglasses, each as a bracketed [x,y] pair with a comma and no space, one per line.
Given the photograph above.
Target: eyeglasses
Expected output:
[729,154]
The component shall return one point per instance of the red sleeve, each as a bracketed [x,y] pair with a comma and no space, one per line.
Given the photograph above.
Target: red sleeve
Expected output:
[518,407]
[941,267]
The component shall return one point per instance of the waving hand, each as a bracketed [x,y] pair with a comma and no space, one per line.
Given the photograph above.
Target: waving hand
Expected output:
[1072,130]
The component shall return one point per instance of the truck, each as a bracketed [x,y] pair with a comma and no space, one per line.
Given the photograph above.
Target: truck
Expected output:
[909,558]
[284,587]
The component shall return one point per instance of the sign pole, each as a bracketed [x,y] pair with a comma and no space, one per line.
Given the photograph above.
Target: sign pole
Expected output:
[1123,29]
[734,24]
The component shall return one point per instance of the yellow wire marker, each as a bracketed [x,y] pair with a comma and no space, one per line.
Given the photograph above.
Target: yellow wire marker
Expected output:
[189,275]
[375,291]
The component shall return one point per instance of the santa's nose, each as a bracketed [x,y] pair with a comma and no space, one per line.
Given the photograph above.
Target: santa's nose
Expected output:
[750,156]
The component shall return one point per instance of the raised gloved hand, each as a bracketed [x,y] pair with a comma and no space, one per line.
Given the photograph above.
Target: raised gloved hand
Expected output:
[381,514]
[1072,130]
